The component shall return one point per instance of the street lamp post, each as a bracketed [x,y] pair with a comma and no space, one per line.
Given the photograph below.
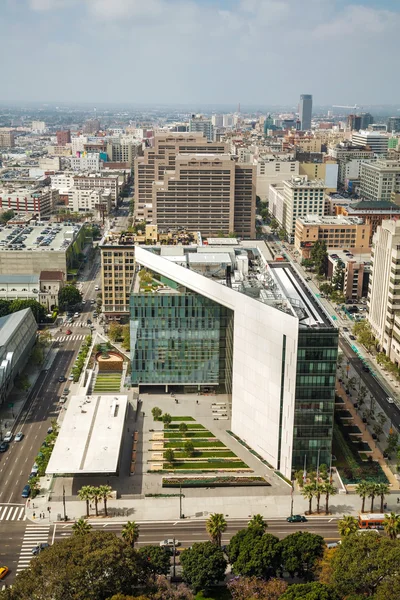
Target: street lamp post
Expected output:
[65,514]
[180,501]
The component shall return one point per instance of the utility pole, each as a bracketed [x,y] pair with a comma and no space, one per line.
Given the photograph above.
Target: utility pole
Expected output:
[291,500]
[174,567]
[180,500]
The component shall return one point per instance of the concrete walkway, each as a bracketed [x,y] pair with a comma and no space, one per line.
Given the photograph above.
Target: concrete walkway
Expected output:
[367,437]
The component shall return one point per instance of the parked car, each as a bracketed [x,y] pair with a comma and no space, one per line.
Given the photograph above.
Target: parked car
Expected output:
[63,399]
[8,437]
[352,337]
[50,430]
[96,287]
[65,391]
[19,436]
[35,468]
[70,377]
[296,519]
[345,329]
[3,446]
[170,543]
[26,492]
[61,379]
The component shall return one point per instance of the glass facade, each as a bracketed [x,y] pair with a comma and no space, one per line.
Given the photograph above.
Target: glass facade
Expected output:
[315,397]
[180,338]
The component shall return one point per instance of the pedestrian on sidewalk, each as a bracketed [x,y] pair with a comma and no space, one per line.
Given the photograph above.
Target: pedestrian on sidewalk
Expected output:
[34,515]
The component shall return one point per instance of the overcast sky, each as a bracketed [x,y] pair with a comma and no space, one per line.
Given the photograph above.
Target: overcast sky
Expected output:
[201,51]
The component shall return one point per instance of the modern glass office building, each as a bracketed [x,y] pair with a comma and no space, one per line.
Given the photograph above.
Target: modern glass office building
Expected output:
[227,318]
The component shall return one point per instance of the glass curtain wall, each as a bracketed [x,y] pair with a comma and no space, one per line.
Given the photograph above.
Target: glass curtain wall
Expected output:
[315,398]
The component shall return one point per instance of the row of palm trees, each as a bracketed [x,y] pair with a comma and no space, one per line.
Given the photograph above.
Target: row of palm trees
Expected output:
[90,493]
[391,525]
[369,489]
[316,489]
[130,531]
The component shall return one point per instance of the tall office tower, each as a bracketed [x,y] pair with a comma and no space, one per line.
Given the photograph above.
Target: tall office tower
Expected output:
[210,193]
[91,126]
[151,167]
[200,124]
[354,122]
[301,196]
[305,111]
[124,151]
[7,139]
[378,142]
[366,119]
[217,120]
[380,180]
[225,318]
[393,124]
[384,284]
[63,137]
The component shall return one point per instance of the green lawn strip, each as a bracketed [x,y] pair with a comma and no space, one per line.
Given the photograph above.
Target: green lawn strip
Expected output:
[189,426]
[222,454]
[196,444]
[214,464]
[182,419]
[189,434]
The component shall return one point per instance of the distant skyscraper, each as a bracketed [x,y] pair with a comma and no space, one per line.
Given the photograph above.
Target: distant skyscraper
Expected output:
[305,111]
[201,124]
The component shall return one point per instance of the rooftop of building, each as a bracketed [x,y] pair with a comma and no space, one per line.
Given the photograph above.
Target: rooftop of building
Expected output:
[350,256]
[9,324]
[375,205]
[20,279]
[51,276]
[246,268]
[90,436]
[330,220]
[114,239]
[302,181]
[38,238]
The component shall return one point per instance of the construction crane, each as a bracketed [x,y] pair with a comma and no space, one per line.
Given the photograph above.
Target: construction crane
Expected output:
[355,107]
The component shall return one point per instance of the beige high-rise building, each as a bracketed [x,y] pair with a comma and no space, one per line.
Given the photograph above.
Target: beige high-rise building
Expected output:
[123,151]
[7,139]
[210,193]
[301,197]
[379,179]
[337,232]
[384,289]
[117,268]
[151,167]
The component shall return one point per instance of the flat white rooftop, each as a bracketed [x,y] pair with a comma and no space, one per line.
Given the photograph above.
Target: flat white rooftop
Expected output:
[90,436]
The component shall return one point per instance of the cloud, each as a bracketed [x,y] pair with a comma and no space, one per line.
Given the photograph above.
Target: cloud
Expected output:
[357,20]
[47,5]
[122,9]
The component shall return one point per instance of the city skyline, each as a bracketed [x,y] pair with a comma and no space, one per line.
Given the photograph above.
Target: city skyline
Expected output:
[80,46]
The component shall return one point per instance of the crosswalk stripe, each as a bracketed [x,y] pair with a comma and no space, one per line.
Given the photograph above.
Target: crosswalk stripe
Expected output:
[12,512]
[15,512]
[1,512]
[9,513]
[21,513]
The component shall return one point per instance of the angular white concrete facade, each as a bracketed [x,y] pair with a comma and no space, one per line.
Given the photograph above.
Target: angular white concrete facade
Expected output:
[265,338]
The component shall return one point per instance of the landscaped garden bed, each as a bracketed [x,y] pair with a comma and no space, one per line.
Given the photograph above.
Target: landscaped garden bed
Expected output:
[199,482]
[352,468]
[189,426]
[206,454]
[189,434]
[196,443]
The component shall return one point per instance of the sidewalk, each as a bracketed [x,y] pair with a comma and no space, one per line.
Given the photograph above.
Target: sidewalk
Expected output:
[197,508]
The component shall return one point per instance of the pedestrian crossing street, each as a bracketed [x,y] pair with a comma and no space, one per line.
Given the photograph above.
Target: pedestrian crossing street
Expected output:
[34,535]
[72,337]
[12,512]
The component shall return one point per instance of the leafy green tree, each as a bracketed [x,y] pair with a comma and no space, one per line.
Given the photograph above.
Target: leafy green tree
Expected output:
[37,356]
[85,493]
[166,419]
[392,440]
[247,588]
[310,591]
[347,525]
[362,562]
[308,492]
[159,561]
[319,256]
[203,565]
[115,331]
[169,591]
[338,276]
[169,455]
[325,288]
[183,428]
[81,527]
[362,490]
[69,296]
[253,553]
[156,412]
[6,216]
[105,493]
[391,525]
[259,522]
[94,566]
[130,533]
[307,263]
[300,552]
[39,312]
[215,526]
[4,307]
[189,448]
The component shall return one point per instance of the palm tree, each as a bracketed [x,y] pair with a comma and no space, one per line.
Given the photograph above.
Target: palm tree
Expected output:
[258,522]
[216,525]
[95,496]
[130,533]
[329,490]
[391,525]
[85,493]
[373,492]
[318,491]
[308,492]
[81,527]
[105,493]
[362,489]
[347,525]
[382,489]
